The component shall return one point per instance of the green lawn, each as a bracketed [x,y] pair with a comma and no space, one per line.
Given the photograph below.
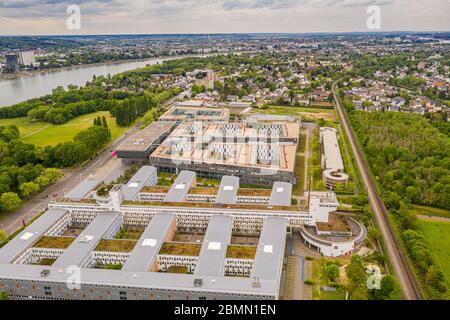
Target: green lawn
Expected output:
[438,236]
[43,134]
[54,242]
[298,189]
[241,252]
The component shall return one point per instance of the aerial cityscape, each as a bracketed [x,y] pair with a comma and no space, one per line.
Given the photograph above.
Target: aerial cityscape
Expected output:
[239,162]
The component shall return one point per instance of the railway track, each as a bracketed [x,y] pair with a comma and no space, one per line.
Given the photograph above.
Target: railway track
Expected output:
[400,264]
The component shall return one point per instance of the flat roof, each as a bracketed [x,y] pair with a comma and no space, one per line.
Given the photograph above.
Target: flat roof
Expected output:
[281,194]
[153,280]
[332,158]
[30,235]
[228,189]
[188,113]
[148,246]
[82,190]
[87,240]
[180,187]
[212,256]
[138,181]
[242,155]
[269,257]
[144,139]
[244,131]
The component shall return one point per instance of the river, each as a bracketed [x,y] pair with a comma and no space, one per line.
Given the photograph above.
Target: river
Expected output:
[39,84]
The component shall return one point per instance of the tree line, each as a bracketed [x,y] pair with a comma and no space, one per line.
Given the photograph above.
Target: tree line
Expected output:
[22,171]
[411,161]
[133,108]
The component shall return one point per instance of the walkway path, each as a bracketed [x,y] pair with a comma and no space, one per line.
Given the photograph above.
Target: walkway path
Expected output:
[433,218]
[33,133]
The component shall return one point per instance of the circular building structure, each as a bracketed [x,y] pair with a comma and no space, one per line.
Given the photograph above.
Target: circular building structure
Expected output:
[340,236]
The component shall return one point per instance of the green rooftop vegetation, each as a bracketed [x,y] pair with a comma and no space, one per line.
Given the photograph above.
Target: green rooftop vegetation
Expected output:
[241,252]
[155,189]
[91,201]
[54,242]
[212,205]
[129,233]
[103,191]
[254,192]
[116,245]
[180,249]
[45,262]
[178,269]
[205,191]
[109,266]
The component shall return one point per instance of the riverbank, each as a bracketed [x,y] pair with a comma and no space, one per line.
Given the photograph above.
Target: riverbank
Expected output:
[29,73]
[42,82]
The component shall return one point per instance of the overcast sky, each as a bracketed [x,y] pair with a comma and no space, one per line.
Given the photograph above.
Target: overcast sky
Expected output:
[220,16]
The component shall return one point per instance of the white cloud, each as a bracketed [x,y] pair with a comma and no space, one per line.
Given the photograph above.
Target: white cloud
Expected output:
[213,16]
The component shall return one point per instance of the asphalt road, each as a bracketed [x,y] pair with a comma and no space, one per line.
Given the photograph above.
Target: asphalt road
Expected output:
[13,221]
[398,259]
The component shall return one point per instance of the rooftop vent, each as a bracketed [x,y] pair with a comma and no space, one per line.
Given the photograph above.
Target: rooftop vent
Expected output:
[256,283]
[86,239]
[228,188]
[268,248]
[214,246]
[149,243]
[198,282]
[26,236]
[133,185]
[45,273]
[180,186]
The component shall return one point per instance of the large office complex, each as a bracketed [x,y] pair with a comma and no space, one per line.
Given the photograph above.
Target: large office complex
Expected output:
[138,147]
[12,63]
[189,242]
[332,164]
[260,150]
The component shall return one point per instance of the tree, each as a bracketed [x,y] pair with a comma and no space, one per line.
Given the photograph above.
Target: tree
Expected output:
[29,188]
[10,201]
[52,174]
[291,95]
[436,279]
[3,235]
[42,181]
[389,289]
[3,296]
[332,271]
[358,279]
[104,122]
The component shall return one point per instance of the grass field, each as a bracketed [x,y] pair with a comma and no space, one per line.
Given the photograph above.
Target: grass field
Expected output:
[42,134]
[307,114]
[438,236]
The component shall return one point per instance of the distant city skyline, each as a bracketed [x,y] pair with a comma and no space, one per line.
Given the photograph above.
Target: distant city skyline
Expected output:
[49,17]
